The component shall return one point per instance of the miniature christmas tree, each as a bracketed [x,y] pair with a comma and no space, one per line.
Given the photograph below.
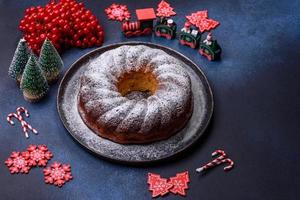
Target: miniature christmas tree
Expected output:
[33,82]
[19,61]
[50,61]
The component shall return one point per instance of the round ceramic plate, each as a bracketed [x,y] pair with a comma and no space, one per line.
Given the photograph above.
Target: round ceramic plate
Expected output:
[141,153]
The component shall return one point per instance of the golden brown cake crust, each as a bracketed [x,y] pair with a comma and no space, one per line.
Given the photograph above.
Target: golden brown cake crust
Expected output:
[134,138]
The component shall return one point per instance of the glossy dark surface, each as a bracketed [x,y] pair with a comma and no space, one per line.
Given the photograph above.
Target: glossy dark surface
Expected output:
[256,118]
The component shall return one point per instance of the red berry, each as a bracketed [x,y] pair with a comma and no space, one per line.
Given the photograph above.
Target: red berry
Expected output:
[31,28]
[98,43]
[50,26]
[46,18]
[79,32]
[83,17]
[93,40]
[54,30]
[93,23]
[42,37]
[78,43]
[76,37]
[54,37]
[85,30]
[38,27]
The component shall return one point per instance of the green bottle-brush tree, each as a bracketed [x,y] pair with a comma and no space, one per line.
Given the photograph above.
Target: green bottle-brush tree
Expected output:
[33,83]
[19,61]
[50,61]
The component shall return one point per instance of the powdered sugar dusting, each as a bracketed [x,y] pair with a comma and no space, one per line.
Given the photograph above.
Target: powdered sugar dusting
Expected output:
[173,93]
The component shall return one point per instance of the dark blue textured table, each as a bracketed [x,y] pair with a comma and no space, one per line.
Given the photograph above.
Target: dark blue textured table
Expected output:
[256,88]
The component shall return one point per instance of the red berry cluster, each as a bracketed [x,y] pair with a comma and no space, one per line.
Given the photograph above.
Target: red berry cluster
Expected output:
[66,23]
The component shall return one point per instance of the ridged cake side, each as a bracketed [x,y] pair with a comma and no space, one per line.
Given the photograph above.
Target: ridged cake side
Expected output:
[125,120]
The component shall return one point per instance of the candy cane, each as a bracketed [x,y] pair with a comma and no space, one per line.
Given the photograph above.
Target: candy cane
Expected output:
[221,153]
[24,127]
[21,110]
[230,164]
[217,161]
[20,118]
[214,162]
[10,116]
[209,165]
[24,124]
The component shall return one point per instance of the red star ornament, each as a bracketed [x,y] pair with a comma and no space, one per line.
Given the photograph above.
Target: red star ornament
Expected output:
[39,155]
[180,183]
[18,162]
[159,186]
[57,174]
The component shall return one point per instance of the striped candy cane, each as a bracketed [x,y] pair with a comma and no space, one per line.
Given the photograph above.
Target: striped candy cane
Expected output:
[19,117]
[217,161]
[26,126]
[230,164]
[21,110]
[10,116]
[219,152]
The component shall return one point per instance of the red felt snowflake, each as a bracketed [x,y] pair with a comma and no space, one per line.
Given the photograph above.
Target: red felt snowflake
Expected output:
[180,183]
[158,185]
[18,162]
[38,155]
[165,10]
[200,20]
[57,174]
[117,12]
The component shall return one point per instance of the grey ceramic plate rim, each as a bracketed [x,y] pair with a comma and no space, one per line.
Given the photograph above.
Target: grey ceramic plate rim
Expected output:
[184,59]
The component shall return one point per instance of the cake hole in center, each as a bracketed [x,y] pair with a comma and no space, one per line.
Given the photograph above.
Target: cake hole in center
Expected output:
[137,85]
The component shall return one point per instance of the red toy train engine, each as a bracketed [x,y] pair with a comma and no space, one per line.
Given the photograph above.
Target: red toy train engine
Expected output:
[143,26]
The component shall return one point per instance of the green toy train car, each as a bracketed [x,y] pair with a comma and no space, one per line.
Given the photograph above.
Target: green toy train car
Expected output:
[212,51]
[190,37]
[165,28]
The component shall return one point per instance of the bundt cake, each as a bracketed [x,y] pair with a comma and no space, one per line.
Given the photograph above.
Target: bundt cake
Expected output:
[135,94]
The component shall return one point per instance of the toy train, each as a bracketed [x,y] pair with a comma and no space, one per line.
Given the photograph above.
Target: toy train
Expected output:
[191,37]
[143,26]
[164,27]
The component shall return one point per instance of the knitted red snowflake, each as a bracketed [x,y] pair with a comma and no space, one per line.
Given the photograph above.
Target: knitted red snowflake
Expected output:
[180,183]
[38,155]
[164,10]
[158,185]
[57,174]
[117,12]
[18,162]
